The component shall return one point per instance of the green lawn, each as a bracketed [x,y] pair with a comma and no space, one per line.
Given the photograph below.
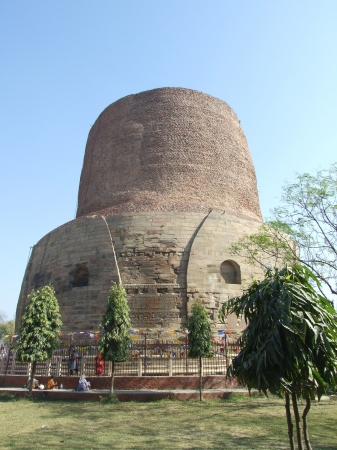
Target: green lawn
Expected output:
[238,423]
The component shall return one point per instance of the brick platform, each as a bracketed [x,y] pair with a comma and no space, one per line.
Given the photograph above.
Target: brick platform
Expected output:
[130,395]
[130,383]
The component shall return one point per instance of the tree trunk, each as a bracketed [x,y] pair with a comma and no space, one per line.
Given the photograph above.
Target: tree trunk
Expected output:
[32,375]
[112,378]
[297,421]
[305,426]
[290,424]
[200,378]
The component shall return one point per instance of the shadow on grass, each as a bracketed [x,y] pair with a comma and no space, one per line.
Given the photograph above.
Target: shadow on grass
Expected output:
[9,398]
[4,397]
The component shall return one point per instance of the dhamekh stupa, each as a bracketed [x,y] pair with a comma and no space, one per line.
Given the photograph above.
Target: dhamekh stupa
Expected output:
[167,185]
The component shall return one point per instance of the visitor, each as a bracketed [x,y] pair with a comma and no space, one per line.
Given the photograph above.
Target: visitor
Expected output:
[74,362]
[51,384]
[99,364]
[83,384]
[35,383]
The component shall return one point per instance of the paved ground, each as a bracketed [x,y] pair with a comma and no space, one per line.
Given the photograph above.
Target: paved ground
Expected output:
[138,395]
[125,395]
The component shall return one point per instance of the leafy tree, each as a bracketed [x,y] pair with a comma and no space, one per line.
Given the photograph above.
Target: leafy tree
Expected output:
[6,329]
[290,344]
[200,343]
[39,329]
[2,317]
[302,230]
[116,323]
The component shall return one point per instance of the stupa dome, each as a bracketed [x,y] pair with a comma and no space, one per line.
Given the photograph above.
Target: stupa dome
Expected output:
[167,186]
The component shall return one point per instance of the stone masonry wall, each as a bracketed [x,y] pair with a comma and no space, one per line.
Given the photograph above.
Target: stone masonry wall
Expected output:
[56,256]
[166,262]
[153,251]
[210,248]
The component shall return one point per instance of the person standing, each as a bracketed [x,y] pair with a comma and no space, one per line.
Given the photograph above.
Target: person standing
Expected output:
[74,362]
[99,364]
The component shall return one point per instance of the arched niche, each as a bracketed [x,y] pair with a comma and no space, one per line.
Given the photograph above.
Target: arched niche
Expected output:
[230,272]
[79,276]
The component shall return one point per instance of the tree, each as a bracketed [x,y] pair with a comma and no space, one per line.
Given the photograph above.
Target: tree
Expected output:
[116,323]
[3,316]
[6,329]
[303,229]
[289,347]
[200,343]
[40,327]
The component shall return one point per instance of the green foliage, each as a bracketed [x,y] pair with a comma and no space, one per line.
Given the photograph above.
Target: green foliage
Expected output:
[40,326]
[199,333]
[2,317]
[6,329]
[290,343]
[111,399]
[302,229]
[270,244]
[116,324]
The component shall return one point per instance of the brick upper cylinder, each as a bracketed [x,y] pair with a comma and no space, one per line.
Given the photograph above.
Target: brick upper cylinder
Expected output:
[168,149]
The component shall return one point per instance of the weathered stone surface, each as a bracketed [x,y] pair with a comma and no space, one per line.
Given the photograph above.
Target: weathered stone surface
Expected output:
[161,283]
[168,149]
[56,256]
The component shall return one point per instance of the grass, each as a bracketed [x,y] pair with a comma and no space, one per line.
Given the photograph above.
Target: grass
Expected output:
[238,423]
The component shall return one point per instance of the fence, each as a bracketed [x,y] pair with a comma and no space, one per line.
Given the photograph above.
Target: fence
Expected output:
[145,358]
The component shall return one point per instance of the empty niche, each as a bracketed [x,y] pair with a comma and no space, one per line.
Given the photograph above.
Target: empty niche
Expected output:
[79,276]
[162,290]
[230,272]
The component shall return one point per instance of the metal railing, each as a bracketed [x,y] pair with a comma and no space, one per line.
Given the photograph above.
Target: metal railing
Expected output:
[146,357]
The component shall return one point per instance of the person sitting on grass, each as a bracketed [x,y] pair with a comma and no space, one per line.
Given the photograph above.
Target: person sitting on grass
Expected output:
[83,384]
[51,384]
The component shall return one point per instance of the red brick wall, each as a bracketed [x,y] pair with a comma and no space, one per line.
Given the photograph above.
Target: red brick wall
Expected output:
[168,149]
[130,383]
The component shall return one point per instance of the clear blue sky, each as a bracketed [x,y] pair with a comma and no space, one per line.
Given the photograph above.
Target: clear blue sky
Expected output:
[63,62]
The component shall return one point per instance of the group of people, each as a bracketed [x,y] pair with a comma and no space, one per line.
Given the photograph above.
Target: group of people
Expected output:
[74,358]
[83,384]
[51,384]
